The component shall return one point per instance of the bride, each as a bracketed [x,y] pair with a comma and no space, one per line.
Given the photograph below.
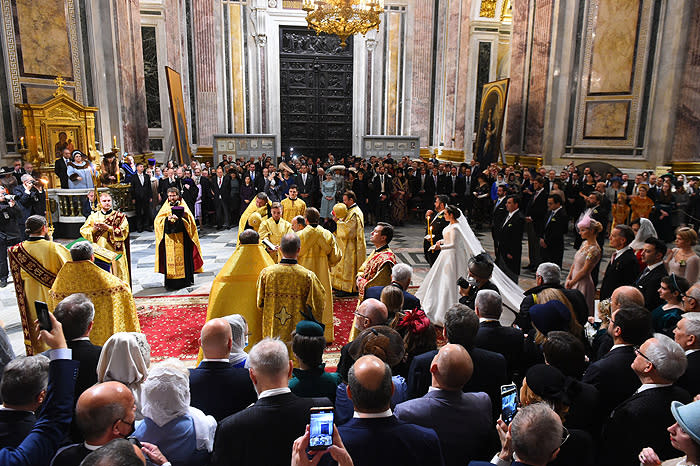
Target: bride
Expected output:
[439,290]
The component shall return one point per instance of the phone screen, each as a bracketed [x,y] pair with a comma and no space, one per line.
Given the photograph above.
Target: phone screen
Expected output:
[509,403]
[321,428]
[42,314]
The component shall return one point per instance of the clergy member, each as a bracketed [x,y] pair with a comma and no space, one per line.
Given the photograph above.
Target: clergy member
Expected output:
[236,282]
[319,252]
[350,233]
[34,264]
[115,309]
[261,205]
[273,229]
[288,293]
[380,238]
[110,229]
[178,254]
[293,206]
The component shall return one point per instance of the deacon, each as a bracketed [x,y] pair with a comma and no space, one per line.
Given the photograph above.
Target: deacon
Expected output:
[437,223]
[273,229]
[110,229]
[288,293]
[292,205]
[178,253]
[115,309]
[34,264]
[319,252]
[350,233]
[380,238]
[261,205]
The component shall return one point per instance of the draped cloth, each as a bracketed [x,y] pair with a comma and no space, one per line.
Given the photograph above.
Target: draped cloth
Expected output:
[34,265]
[350,234]
[273,232]
[319,252]
[112,239]
[371,266]
[264,212]
[286,291]
[178,253]
[292,208]
[115,309]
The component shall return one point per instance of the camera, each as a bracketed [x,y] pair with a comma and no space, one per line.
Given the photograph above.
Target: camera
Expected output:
[462,282]
[9,197]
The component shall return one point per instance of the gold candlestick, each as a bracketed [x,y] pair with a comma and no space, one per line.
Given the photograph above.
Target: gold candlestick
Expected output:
[49,215]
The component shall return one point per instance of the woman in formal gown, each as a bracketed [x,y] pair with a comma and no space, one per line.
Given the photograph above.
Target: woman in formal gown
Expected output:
[585,260]
[439,290]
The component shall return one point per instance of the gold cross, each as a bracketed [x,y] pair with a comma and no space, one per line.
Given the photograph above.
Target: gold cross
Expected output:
[60,82]
[283,316]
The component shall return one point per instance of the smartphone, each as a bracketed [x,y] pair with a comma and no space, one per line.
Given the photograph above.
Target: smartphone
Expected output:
[509,402]
[42,314]
[321,428]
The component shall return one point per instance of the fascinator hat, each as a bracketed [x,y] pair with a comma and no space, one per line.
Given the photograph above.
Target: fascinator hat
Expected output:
[414,321]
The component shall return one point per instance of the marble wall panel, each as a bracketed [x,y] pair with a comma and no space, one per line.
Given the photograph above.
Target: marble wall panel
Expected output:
[203,22]
[42,38]
[614,46]
[237,72]
[422,37]
[393,44]
[518,68]
[462,85]
[606,120]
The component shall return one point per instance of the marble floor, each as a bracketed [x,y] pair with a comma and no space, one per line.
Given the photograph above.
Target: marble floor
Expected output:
[217,247]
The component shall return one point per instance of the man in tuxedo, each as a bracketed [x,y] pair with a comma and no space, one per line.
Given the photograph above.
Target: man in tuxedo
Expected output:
[642,419]
[424,189]
[23,390]
[168,181]
[455,187]
[141,196]
[467,196]
[511,238]
[535,217]
[306,185]
[382,187]
[264,432]
[612,374]
[401,275]
[61,167]
[687,334]
[574,202]
[623,268]
[490,369]
[649,279]
[216,386]
[555,227]
[492,336]
[498,216]
[374,435]
[437,222]
[221,187]
[256,177]
[445,407]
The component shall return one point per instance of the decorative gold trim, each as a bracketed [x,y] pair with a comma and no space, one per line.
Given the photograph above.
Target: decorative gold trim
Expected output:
[74,47]
[487,9]
[686,168]
[525,160]
[11,52]
[452,155]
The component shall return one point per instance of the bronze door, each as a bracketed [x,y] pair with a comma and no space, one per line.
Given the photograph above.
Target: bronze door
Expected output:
[315,93]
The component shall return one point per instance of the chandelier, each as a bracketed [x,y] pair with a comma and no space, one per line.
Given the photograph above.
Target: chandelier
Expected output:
[343,17]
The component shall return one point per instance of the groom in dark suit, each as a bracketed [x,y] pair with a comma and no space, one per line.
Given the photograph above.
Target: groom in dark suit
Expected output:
[649,280]
[437,222]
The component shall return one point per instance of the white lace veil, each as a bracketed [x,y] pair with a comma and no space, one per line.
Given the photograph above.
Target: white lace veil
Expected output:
[646,231]
[238,327]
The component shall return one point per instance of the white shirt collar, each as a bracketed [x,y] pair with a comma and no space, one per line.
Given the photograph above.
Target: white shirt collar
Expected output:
[484,319]
[623,250]
[647,386]
[510,214]
[619,346]
[691,351]
[274,392]
[554,212]
[5,408]
[215,360]
[652,267]
[91,447]
[81,339]
[386,413]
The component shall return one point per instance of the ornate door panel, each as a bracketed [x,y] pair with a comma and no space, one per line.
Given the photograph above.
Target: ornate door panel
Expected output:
[315,93]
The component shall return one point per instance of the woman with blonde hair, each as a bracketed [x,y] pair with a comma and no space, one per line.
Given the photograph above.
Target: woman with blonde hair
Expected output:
[554,294]
[585,260]
[683,260]
[392,297]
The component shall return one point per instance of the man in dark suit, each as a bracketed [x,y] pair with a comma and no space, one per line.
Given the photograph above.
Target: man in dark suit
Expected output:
[445,407]
[437,222]
[431,187]
[401,275]
[623,268]
[168,181]
[382,188]
[641,420]
[535,217]
[221,187]
[264,432]
[612,374]
[687,334]
[208,204]
[23,390]
[455,187]
[307,185]
[492,336]
[370,313]
[375,436]
[555,227]
[61,167]
[216,387]
[141,195]
[511,238]
[649,280]
[498,216]
[490,369]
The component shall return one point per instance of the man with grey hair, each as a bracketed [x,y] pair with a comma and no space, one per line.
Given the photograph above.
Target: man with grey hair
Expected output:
[548,275]
[691,299]
[493,336]
[264,432]
[622,297]
[31,198]
[687,334]
[641,420]
[401,275]
[371,312]
[82,251]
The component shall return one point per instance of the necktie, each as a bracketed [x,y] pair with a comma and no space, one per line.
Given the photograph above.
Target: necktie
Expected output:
[612,259]
[551,214]
[644,274]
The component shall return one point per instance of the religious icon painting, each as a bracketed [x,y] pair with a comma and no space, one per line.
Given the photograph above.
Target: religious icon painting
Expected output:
[491,116]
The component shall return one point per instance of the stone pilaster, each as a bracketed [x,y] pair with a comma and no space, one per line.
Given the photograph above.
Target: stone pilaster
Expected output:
[203,25]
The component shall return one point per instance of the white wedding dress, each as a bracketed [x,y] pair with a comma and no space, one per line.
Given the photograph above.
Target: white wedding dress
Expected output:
[439,290]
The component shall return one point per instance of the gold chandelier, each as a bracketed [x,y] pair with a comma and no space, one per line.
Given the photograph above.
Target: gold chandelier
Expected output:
[343,17]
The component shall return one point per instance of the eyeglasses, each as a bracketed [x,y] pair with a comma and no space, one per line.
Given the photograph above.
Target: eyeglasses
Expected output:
[638,351]
[564,436]
[360,315]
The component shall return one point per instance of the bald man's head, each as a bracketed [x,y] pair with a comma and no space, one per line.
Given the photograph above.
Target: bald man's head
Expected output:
[105,411]
[216,339]
[370,313]
[624,296]
[369,385]
[452,367]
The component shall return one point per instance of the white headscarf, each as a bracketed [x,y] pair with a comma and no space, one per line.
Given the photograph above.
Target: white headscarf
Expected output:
[646,231]
[238,331]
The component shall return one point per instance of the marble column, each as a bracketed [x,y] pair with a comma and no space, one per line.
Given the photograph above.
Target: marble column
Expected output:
[132,95]
[422,68]
[518,69]
[204,30]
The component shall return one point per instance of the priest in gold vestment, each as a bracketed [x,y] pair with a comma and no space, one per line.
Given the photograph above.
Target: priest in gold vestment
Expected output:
[178,253]
[34,264]
[115,309]
[273,229]
[293,206]
[351,240]
[319,252]
[109,229]
[288,293]
[261,205]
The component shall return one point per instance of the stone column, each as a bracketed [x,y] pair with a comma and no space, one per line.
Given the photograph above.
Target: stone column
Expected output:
[518,68]
[203,25]
[422,70]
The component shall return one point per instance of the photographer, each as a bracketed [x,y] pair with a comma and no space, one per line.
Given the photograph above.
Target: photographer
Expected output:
[10,214]
[479,278]
[31,198]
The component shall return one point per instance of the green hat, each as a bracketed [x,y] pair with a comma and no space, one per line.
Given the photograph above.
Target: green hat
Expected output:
[308,328]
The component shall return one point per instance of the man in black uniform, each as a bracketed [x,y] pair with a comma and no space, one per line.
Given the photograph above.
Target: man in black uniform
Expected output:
[437,222]
[10,214]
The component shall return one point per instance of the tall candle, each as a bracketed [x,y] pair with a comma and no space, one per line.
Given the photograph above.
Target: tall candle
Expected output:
[114,138]
[21,142]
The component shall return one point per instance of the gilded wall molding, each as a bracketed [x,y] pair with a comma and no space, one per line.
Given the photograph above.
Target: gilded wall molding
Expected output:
[487,9]
[9,28]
